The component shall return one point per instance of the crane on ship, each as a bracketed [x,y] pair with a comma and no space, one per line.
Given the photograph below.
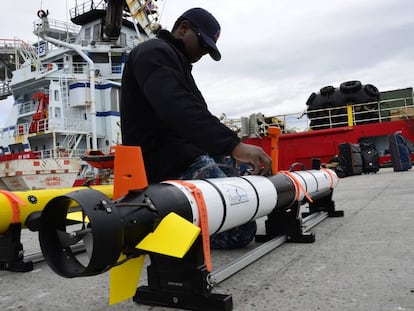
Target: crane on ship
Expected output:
[145,12]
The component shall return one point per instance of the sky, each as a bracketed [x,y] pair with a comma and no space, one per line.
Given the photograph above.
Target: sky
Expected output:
[275,53]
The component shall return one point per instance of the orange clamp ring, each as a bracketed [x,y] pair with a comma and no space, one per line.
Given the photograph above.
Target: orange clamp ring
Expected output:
[202,211]
[14,200]
[298,186]
[330,174]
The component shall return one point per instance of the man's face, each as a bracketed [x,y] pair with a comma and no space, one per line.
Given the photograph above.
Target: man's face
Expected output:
[194,44]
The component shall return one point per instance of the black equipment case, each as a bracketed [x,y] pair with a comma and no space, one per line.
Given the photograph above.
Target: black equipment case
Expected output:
[400,152]
[351,156]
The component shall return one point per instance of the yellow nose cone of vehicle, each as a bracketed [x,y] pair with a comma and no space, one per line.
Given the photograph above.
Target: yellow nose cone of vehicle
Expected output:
[31,201]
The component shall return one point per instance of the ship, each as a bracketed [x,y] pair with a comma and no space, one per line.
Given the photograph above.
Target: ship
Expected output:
[60,133]
[56,118]
[352,112]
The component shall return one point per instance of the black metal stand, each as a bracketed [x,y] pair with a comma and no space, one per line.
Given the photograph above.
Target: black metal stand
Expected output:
[11,250]
[181,283]
[286,222]
[324,204]
[289,222]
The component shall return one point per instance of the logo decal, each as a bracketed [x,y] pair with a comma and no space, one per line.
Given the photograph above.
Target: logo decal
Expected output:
[235,195]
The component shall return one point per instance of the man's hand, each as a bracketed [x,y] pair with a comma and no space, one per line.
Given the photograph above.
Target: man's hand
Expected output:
[255,156]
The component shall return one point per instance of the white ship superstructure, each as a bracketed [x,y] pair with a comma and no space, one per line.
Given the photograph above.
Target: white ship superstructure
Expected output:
[66,90]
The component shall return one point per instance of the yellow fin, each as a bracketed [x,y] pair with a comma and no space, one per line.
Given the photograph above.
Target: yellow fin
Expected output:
[173,237]
[77,216]
[123,279]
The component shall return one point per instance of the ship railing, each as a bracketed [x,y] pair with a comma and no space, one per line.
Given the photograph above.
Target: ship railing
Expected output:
[40,155]
[356,114]
[27,107]
[8,50]
[341,116]
[397,109]
[57,153]
[9,46]
[76,67]
[257,124]
[86,7]
[58,25]
[69,125]
[64,31]
[20,50]
[60,152]
[83,68]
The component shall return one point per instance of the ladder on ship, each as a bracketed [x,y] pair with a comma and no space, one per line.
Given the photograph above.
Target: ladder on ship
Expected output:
[71,143]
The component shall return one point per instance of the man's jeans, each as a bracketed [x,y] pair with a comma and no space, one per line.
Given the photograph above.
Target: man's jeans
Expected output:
[209,167]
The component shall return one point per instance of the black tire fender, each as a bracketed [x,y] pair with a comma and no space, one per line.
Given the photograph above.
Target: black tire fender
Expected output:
[372,91]
[327,90]
[350,86]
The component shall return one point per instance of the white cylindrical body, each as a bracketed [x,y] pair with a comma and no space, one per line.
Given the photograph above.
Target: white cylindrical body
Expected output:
[232,201]
[315,181]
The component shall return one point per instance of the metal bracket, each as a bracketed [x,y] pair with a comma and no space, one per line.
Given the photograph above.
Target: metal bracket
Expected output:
[11,250]
[181,283]
[240,263]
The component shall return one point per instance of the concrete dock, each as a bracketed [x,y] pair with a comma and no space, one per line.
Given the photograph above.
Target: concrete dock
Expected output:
[362,261]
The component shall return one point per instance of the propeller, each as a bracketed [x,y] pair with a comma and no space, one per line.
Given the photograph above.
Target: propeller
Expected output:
[71,238]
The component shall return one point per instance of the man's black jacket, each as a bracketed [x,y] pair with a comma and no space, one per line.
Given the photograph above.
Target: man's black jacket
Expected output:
[163,111]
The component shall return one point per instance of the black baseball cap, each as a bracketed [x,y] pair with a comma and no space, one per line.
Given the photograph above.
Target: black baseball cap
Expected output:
[207,26]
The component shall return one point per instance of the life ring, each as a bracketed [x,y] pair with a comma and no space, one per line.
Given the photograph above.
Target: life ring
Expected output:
[42,13]
[49,66]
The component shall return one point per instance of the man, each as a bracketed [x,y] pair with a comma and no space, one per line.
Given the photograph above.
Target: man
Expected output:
[163,111]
